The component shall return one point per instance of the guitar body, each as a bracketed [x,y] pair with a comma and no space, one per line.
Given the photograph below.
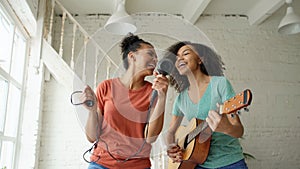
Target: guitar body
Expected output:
[194,152]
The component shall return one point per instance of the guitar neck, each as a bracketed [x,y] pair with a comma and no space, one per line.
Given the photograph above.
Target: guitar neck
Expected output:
[235,103]
[201,127]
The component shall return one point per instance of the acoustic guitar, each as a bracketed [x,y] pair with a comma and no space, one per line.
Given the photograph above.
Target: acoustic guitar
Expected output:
[194,148]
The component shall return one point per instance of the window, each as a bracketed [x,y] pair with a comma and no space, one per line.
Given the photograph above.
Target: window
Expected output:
[13,53]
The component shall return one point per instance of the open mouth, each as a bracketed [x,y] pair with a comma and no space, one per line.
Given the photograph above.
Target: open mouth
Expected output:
[181,64]
[151,65]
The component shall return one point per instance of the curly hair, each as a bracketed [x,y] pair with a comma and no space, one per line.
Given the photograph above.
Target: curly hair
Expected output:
[131,43]
[212,64]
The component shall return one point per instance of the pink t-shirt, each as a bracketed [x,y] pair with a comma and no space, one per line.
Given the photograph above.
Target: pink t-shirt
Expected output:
[125,113]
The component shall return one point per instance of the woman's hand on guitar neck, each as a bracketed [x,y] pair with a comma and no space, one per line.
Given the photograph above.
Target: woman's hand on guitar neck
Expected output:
[175,153]
[225,123]
[216,121]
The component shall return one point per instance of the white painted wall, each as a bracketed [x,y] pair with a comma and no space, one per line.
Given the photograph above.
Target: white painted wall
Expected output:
[268,63]
[256,57]
[62,137]
[33,5]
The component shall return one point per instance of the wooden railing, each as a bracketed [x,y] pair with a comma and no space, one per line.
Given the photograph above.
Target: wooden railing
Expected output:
[77,29]
[60,68]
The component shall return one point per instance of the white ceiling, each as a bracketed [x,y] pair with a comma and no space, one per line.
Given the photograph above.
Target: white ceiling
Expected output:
[256,10]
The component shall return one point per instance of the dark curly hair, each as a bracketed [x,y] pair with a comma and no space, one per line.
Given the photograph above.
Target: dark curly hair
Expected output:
[212,63]
[131,43]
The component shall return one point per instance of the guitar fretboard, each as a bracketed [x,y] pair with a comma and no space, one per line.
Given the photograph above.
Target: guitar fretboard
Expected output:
[201,127]
[235,103]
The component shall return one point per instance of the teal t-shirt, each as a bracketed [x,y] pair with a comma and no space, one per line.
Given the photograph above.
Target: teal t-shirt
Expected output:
[224,149]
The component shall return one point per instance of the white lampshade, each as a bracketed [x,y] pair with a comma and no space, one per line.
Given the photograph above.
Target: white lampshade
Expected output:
[290,23]
[120,22]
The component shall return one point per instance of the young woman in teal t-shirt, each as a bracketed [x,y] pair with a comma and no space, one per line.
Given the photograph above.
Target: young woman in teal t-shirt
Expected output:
[199,79]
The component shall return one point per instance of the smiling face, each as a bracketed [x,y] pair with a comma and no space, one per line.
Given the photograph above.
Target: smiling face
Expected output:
[187,60]
[145,57]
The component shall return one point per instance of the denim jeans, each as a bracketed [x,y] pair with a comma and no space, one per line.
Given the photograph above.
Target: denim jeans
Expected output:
[238,165]
[94,165]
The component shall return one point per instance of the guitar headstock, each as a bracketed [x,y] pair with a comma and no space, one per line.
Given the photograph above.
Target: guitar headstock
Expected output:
[239,101]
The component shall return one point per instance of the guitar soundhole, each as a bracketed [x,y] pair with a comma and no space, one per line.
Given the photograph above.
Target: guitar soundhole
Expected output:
[185,144]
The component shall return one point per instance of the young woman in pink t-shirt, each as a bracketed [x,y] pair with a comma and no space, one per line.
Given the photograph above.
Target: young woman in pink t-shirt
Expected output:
[124,122]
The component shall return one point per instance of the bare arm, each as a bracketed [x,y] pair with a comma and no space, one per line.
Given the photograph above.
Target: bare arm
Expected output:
[156,120]
[93,124]
[236,129]
[175,123]
[174,151]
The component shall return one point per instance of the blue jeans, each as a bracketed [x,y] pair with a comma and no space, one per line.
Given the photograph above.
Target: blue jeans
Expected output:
[238,165]
[94,165]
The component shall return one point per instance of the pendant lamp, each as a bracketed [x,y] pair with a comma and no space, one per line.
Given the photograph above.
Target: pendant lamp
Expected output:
[120,22]
[290,23]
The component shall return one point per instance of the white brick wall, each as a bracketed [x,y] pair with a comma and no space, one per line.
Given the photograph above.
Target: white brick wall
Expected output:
[256,57]
[62,137]
[268,63]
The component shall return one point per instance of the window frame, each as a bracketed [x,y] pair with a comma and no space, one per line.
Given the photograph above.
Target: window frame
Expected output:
[18,27]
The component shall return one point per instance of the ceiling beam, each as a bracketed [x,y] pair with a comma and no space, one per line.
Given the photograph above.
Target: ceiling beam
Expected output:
[262,10]
[193,9]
